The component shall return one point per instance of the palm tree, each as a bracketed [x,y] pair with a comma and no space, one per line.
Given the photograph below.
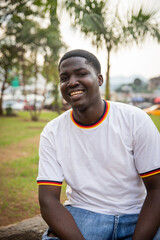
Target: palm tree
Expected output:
[104,24]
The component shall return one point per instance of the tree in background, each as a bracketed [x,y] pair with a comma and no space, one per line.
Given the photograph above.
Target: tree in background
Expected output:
[19,21]
[8,61]
[138,86]
[107,27]
[51,52]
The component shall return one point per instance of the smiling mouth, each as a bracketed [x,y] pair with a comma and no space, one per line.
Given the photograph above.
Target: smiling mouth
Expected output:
[76,93]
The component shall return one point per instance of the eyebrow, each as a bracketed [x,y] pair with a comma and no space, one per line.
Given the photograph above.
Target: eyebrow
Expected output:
[75,70]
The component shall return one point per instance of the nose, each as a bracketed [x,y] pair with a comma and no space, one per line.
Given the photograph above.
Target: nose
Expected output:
[73,81]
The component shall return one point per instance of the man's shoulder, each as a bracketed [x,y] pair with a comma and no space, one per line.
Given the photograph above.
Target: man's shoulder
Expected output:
[121,105]
[128,111]
[58,121]
[62,116]
[125,107]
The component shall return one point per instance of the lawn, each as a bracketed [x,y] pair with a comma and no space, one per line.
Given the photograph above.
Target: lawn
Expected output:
[156,120]
[14,129]
[19,164]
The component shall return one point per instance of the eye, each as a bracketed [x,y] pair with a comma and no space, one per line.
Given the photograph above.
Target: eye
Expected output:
[63,78]
[82,74]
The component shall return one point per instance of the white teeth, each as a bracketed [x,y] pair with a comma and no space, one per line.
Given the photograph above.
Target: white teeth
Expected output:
[75,93]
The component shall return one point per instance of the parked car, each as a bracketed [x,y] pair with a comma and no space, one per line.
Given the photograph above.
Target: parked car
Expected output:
[153,110]
[30,105]
[13,104]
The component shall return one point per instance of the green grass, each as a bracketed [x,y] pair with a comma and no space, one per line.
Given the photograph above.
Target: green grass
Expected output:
[19,191]
[14,129]
[19,177]
[156,120]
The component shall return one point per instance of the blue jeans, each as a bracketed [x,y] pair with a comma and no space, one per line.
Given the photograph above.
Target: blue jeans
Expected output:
[96,226]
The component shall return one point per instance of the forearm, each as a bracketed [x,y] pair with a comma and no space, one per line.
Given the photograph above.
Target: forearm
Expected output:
[149,218]
[60,220]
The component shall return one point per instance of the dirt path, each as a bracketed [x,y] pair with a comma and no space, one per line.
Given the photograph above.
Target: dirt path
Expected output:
[18,150]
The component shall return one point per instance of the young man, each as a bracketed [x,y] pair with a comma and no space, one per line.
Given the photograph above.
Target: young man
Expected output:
[109,155]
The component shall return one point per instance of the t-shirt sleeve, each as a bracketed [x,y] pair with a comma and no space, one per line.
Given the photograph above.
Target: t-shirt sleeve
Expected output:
[146,146]
[50,171]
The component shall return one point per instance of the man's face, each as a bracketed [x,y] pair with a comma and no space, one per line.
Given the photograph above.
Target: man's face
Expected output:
[79,83]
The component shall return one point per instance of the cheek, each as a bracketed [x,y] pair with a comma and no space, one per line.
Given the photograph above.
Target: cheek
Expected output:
[93,85]
[63,90]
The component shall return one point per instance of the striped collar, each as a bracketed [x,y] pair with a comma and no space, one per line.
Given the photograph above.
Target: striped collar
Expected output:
[100,120]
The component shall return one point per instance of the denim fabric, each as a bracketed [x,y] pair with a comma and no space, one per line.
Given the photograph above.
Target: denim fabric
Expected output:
[96,226]
[157,237]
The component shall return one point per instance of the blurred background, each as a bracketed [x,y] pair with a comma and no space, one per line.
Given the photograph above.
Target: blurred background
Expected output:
[34,34]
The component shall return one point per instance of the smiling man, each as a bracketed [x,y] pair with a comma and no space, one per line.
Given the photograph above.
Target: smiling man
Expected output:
[109,155]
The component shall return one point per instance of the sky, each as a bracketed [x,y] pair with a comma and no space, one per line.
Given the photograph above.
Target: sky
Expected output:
[143,60]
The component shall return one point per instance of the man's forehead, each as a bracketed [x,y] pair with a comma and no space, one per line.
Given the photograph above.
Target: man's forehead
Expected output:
[76,63]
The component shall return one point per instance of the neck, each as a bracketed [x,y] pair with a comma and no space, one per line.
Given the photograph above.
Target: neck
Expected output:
[89,115]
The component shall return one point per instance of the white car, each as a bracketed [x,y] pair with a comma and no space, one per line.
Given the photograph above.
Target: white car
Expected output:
[15,105]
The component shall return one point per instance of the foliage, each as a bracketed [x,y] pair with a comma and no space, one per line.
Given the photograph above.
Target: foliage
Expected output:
[138,86]
[8,60]
[22,31]
[106,26]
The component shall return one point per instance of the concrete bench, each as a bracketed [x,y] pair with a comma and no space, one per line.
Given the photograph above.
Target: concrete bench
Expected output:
[29,229]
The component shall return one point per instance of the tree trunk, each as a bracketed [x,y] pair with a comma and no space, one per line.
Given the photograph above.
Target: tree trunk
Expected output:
[36,79]
[24,77]
[1,110]
[44,94]
[56,97]
[33,112]
[2,90]
[107,89]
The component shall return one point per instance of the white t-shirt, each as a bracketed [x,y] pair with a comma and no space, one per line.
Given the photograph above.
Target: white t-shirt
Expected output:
[101,163]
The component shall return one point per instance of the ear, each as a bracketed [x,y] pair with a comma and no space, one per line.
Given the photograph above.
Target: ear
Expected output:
[100,79]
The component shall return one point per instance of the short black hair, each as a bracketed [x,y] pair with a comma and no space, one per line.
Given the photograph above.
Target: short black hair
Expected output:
[91,58]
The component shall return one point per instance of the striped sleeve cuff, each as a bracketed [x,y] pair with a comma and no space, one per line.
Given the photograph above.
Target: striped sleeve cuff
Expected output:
[150,173]
[48,182]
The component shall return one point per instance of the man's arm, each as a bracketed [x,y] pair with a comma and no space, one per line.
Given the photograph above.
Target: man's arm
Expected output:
[56,215]
[149,218]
